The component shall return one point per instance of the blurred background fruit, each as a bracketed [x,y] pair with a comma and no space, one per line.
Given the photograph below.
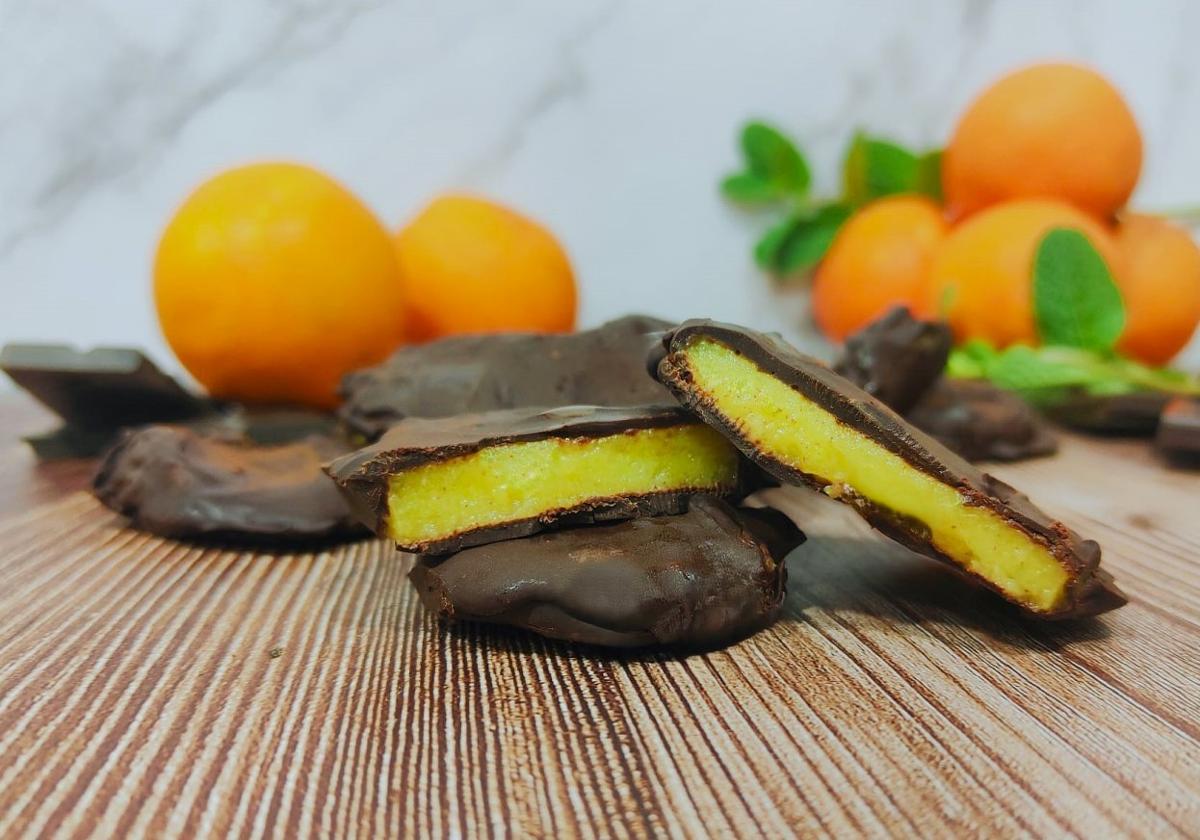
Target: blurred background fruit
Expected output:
[470,265]
[981,279]
[1050,130]
[272,281]
[880,257]
[1160,284]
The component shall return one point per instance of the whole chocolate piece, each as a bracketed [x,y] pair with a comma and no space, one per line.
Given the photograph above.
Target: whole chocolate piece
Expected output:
[712,574]
[1116,414]
[467,374]
[1088,589]
[364,476]
[175,482]
[1179,429]
[982,422]
[896,358]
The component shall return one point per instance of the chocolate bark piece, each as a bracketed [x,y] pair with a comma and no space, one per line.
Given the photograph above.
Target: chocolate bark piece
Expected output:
[1179,429]
[469,374]
[435,486]
[981,422]
[175,482]
[1134,414]
[96,393]
[896,358]
[806,425]
[713,574]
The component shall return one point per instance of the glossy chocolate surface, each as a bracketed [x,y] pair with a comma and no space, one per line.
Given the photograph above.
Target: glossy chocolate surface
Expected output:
[707,576]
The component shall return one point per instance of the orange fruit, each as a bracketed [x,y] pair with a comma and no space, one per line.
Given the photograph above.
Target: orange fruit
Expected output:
[1050,130]
[879,258]
[272,281]
[982,274]
[1160,284]
[473,266]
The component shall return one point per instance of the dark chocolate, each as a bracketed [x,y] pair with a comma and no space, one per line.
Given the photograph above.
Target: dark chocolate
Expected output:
[469,374]
[900,359]
[982,422]
[1179,429]
[896,358]
[363,475]
[713,574]
[1091,590]
[1135,414]
[96,394]
[176,482]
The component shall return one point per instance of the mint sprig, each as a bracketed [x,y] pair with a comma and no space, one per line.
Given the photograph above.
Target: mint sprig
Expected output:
[1076,303]
[1079,315]
[774,168]
[775,173]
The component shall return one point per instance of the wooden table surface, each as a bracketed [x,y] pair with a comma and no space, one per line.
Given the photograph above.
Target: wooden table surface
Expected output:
[149,687]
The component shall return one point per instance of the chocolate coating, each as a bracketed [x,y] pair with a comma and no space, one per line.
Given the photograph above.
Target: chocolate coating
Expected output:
[363,475]
[896,358]
[96,393]
[1117,414]
[982,422]
[1090,591]
[713,574]
[469,374]
[900,359]
[175,482]
[1179,430]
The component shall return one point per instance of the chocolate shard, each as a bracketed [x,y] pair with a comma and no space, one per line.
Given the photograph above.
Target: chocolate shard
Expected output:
[806,425]
[1135,414]
[981,422]
[1179,429]
[96,393]
[470,374]
[896,358]
[435,486]
[711,575]
[176,482]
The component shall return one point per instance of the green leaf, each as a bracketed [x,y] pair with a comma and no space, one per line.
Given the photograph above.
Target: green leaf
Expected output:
[798,243]
[1047,375]
[748,188]
[775,159]
[874,167]
[929,175]
[1075,301]
[1022,368]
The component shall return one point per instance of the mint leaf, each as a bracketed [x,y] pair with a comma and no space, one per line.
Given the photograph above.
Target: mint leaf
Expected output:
[929,175]
[1023,368]
[874,168]
[773,158]
[798,243]
[748,188]
[1047,375]
[1075,301]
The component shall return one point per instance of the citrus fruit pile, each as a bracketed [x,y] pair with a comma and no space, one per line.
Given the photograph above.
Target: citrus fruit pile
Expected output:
[273,281]
[1048,147]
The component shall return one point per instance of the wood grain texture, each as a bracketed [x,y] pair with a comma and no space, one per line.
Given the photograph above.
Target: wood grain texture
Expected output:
[152,688]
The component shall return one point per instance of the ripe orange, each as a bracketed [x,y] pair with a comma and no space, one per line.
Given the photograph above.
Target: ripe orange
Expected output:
[1050,130]
[879,258]
[272,281]
[473,266]
[1160,283]
[983,272]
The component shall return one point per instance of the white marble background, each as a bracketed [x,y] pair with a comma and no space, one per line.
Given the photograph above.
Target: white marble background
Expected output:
[610,121]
